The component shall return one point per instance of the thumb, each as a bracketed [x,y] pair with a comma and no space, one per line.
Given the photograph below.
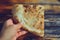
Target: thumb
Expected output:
[9,22]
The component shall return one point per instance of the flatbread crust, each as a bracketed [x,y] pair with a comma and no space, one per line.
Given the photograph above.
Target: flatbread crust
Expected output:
[31,16]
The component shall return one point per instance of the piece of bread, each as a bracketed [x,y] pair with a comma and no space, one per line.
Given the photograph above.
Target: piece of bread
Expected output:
[31,16]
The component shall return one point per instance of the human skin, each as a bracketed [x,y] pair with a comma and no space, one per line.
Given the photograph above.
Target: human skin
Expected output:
[11,31]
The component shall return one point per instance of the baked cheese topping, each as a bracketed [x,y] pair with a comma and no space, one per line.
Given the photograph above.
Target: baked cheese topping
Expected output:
[31,16]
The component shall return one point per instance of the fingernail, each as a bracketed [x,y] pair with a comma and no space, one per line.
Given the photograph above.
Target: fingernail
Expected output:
[24,32]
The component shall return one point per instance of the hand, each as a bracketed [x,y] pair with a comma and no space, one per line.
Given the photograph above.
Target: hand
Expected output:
[11,31]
